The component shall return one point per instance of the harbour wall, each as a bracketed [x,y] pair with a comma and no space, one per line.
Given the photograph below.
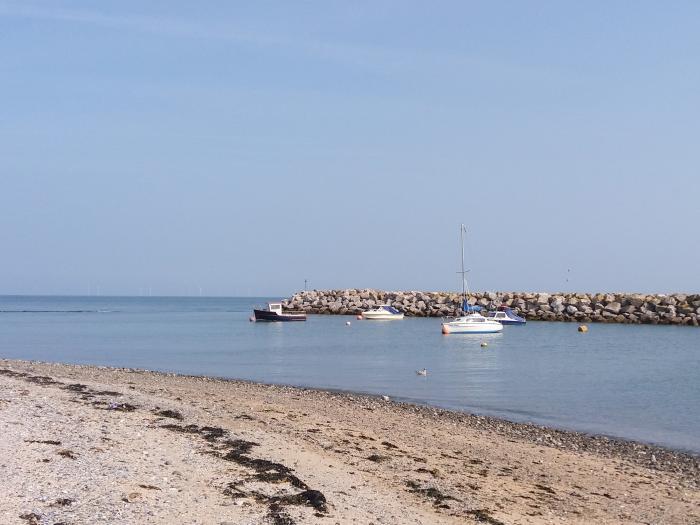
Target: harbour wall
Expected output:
[676,308]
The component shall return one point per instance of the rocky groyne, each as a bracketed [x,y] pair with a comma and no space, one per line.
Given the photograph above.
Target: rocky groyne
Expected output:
[677,308]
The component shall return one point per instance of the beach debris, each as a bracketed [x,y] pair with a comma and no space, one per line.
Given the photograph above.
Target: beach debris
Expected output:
[377,458]
[121,407]
[63,502]
[583,328]
[386,398]
[131,497]
[422,372]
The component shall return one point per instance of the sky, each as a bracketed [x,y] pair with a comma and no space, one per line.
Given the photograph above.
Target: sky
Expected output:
[239,148]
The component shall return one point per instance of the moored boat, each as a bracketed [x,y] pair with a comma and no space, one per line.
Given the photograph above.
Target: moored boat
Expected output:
[274,313]
[472,322]
[383,312]
[505,315]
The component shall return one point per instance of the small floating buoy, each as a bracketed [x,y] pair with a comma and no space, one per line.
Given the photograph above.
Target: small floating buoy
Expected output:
[583,328]
[251,319]
[445,329]
[422,372]
[347,323]
[359,317]
[484,344]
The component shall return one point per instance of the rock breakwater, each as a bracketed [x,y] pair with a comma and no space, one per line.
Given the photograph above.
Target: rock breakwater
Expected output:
[677,308]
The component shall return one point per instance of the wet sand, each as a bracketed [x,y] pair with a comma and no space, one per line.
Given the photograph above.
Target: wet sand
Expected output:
[83,444]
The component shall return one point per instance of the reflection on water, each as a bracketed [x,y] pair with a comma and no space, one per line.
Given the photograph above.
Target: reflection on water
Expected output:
[637,382]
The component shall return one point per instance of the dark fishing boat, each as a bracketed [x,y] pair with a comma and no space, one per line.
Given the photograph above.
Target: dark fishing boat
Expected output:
[274,313]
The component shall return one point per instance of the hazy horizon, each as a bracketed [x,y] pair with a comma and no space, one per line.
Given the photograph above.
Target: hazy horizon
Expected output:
[239,149]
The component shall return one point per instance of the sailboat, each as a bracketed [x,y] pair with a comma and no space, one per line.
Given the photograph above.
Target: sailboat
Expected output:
[472,322]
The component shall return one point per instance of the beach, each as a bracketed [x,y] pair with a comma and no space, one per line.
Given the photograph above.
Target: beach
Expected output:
[82,444]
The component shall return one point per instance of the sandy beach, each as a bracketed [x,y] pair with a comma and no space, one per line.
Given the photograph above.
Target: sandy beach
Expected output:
[83,444]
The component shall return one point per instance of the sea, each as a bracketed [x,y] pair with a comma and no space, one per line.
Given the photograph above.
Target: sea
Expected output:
[637,382]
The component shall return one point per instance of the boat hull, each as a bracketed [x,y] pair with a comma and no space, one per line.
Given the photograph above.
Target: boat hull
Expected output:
[264,315]
[510,322]
[486,327]
[381,317]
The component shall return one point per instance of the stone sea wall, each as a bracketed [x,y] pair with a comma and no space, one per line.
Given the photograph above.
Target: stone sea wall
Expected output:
[677,308]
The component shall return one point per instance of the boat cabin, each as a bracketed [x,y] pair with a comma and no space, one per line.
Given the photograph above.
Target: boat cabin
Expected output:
[275,308]
[389,309]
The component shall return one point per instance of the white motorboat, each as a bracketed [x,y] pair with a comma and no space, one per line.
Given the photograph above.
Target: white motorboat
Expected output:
[383,312]
[471,322]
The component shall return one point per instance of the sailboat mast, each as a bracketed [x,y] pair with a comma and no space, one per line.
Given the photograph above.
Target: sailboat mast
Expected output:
[461,238]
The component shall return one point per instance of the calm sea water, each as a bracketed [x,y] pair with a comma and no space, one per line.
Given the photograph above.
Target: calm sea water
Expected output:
[635,382]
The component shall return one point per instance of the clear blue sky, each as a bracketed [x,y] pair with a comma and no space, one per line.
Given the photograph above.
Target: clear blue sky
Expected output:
[243,147]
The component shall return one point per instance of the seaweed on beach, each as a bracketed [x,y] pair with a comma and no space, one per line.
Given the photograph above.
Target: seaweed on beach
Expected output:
[236,451]
[173,414]
[212,433]
[312,498]
[239,446]
[278,516]
[75,387]
[187,429]
[43,441]
[42,380]
[12,373]
[63,502]
[483,516]
[431,493]
[31,518]
[109,393]
[67,454]
[121,407]
[545,488]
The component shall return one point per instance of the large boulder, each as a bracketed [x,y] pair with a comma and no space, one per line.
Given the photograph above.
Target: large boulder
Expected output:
[613,307]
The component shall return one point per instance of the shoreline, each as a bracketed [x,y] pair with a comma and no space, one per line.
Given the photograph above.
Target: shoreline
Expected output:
[566,439]
[416,463]
[569,435]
